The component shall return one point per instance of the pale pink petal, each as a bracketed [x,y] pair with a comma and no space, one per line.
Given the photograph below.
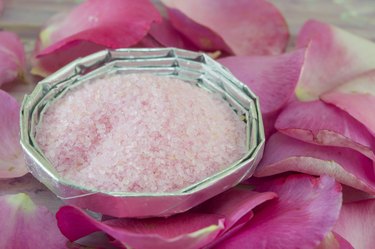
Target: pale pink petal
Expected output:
[12,57]
[11,157]
[96,24]
[322,124]
[356,97]
[27,226]
[283,154]
[272,78]
[333,57]
[306,210]
[238,27]
[356,224]
[334,241]
[187,230]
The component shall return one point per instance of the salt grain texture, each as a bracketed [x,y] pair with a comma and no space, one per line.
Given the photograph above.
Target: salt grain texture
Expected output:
[140,133]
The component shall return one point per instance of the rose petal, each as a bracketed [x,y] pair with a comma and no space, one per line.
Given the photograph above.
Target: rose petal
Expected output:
[272,78]
[239,27]
[283,154]
[306,210]
[193,229]
[356,97]
[94,25]
[334,241]
[11,157]
[45,65]
[12,57]
[27,226]
[202,37]
[236,206]
[167,36]
[356,224]
[318,123]
[235,203]
[187,230]
[332,58]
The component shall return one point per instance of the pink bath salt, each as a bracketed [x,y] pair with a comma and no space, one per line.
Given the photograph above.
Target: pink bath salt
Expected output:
[140,133]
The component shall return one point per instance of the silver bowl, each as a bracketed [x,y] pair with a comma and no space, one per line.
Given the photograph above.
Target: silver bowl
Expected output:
[191,67]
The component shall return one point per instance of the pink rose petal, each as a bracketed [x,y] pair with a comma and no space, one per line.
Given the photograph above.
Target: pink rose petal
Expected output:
[306,210]
[11,157]
[235,203]
[167,36]
[193,229]
[272,78]
[356,97]
[188,230]
[333,57]
[356,224]
[237,27]
[283,154]
[322,124]
[27,226]
[93,25]
[236,206]
[334,241]
[12,57]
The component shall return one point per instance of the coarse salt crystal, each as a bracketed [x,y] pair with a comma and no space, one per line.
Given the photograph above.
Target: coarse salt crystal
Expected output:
[140,133]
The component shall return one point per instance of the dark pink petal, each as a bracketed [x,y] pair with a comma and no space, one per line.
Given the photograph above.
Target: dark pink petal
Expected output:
[283,154]
[356,97]
[306,210]
[322,124]
[234,204]
[44,65]
[166,35]
[334,241]
[188,230]
[95,24]
[356,224]
[272,78]
[11,157]
[334,56]
[193,229]
[12,57]
[27,226]
[351,194]
[202,37]
[238,27]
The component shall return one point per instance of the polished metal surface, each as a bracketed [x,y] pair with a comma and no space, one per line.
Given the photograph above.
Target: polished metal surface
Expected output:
[194,68]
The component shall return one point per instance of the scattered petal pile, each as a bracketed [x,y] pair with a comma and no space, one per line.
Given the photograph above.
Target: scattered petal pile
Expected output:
[229,219]
[317,102]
